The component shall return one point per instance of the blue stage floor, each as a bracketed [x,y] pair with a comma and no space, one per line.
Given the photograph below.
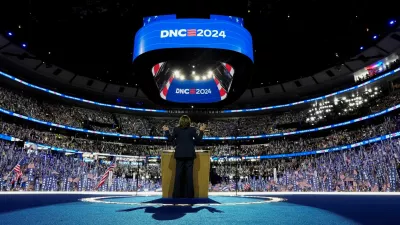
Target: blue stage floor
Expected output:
[285,209]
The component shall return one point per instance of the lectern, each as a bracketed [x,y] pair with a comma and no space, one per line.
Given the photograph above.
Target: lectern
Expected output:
[201,173]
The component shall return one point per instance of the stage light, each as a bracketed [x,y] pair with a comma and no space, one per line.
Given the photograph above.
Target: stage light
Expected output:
[182,77]
[197,78]
[193,66]
[193,72]
[361,48]
[392,22]
[24,45]
[176,72]
[204,77]
[375,37]
[210,74]
[9,34]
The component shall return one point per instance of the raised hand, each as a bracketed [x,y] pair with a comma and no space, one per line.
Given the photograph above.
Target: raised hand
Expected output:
[165,128]
[202,127]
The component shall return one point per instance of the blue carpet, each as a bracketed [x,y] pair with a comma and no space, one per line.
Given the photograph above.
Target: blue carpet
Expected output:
[304,209]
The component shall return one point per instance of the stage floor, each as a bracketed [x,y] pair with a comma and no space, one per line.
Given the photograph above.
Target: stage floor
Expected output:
[219,208]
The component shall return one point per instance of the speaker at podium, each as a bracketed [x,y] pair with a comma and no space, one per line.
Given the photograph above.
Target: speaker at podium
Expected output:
[201,173]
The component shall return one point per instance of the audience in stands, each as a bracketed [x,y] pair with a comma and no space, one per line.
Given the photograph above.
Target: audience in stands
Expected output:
[271,146]
[371,168]
[143,126]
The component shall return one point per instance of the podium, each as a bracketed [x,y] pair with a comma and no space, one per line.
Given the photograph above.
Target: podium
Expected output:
[201,173]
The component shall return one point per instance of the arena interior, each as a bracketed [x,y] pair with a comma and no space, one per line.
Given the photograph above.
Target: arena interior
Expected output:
[304,127]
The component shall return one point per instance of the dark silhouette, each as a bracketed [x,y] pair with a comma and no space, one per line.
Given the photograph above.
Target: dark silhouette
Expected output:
[185,138]
[171,212]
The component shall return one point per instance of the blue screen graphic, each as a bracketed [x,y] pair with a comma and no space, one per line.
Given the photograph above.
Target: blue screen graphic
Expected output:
[193,91]
[219,32]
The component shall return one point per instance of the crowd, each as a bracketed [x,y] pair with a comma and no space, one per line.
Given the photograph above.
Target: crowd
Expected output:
[53,171]
[290,144]
[372,168]
[75,143]
[129,124]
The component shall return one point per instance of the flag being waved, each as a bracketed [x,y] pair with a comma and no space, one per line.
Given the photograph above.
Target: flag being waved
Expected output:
[18,172]
[105,175]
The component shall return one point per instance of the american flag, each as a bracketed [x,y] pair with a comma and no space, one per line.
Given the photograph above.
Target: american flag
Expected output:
[247,187]
[233,186]
[105,175]
[191,32]
[17,170]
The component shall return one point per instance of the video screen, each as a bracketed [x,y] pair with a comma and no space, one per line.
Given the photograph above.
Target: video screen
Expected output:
[188,82]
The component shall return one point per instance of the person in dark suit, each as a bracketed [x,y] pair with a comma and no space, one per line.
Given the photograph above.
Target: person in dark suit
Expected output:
[185,138]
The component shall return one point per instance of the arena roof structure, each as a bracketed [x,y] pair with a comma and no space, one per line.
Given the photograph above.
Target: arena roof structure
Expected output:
[304,45]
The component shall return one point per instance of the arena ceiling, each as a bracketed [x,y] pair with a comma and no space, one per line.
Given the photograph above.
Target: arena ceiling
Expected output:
[292,39]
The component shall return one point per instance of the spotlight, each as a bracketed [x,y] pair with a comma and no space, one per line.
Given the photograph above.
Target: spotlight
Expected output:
[361,48]
[24,45]
[197,78]
[193,72]
[210,74]
[9,34]
[392,22]
[182,77]
[375,37]
[204,77]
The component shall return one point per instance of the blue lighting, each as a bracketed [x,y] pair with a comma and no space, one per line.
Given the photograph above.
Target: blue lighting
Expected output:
[375,37]
[216,158]
[392,22]
[361,48]
[390,73]
[10,34]
[396,107]
[24,45]
[118,100]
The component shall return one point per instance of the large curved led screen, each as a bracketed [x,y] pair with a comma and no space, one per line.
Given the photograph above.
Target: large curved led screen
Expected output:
[183,82]
[218,32]
[193,60]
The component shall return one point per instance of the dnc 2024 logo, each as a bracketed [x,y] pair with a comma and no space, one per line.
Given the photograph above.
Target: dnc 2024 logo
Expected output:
[192,33]
[193,91]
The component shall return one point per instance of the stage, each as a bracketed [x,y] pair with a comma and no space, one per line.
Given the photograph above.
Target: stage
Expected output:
[220,208]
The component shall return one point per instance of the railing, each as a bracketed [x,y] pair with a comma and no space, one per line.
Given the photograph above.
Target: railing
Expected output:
[216,158]
[224,111]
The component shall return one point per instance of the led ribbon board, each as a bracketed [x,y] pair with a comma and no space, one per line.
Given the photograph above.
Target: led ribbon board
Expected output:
[221,47]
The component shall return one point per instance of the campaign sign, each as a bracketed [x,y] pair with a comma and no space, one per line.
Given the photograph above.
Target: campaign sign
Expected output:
[215,33]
